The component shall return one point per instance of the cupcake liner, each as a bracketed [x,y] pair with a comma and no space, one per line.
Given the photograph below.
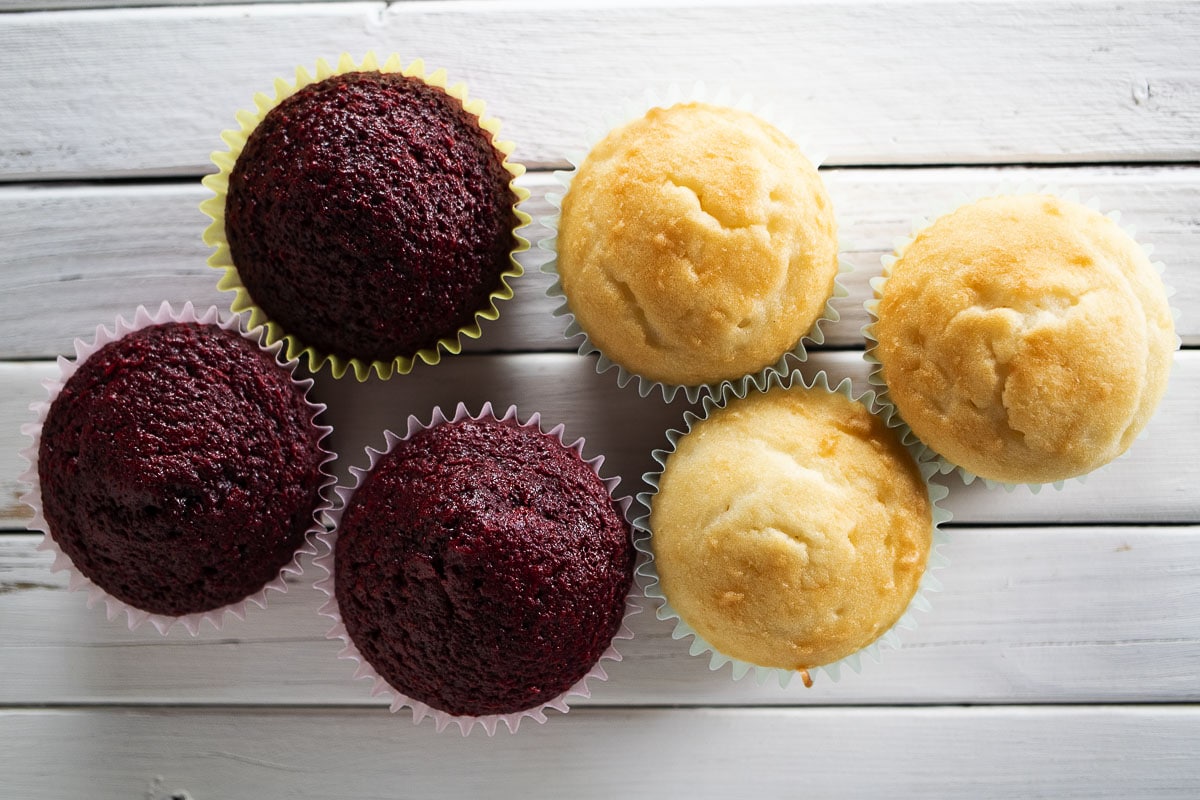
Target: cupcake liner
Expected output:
[648,574]
[399,700]
[918,224]
[222,258]
[634,108]
[32,496]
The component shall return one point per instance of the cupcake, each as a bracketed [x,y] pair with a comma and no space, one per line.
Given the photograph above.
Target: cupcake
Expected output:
[480,568]
[368,215]
[790,528]
[696,244]
[177,468]
[1025,339]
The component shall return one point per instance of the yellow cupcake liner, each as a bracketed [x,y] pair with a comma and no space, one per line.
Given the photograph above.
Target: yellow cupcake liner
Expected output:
[918,224]
[222,258]
[631,109]
[648,573]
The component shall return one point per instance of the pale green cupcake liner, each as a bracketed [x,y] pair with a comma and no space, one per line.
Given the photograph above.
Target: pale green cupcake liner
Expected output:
[222,259]
[875,378]
[634,108]
[648,574]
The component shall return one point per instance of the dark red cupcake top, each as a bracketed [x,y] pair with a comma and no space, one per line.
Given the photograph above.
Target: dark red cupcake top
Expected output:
[179,468]
[481,567]
[370,215]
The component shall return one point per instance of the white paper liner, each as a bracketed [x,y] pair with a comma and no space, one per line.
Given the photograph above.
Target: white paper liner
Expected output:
[32,497]
[399,700]
[918,224]
[632,109]
[699,646]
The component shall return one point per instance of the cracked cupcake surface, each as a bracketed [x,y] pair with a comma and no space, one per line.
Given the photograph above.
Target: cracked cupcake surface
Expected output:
[791,528]
[370,215]
[481,567]
[696,244]
[180,468]
[1026,338]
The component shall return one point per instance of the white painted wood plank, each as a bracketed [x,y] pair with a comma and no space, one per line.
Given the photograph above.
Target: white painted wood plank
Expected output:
[1155,482]
[1089,612]
[75,257]
[72,257]
[71,5]
[146,91]
[1092,753]
[1041,615]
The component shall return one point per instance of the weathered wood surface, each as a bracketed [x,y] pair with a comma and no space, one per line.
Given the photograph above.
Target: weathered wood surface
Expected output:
[74,257]
[1059,661]
[1028,615]
[1154,482]
[603,753]
[93,93]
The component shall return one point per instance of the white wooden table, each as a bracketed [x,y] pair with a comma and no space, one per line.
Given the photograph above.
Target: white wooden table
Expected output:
[1063,657]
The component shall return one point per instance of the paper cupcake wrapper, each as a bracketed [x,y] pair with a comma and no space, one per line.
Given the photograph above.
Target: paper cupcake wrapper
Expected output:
[222,257]
[632,109]
[918,224]
[648,573]
[399,700]
[32,497]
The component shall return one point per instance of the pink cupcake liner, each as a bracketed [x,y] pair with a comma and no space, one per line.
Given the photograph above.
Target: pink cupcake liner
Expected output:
[349,651]
[32,497]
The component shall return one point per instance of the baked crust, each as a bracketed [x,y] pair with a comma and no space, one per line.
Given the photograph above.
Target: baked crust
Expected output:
[696,244]
[791,528]
[1025,338]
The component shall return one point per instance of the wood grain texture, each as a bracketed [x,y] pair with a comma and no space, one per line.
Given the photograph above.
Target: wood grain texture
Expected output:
[709,753]
[1155,482]
[73,5]
[77,256]
[1027,615]
[1063,614]
[147,91]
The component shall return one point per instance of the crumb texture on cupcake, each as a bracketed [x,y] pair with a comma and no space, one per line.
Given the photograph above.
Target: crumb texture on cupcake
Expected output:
[179,468]
[481,567]
[370,215]
[790,529]
[1026,338]
[696,244]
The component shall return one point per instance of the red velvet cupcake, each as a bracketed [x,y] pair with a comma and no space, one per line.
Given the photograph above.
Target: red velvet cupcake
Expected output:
[177,468]
[368,215]
[480,569]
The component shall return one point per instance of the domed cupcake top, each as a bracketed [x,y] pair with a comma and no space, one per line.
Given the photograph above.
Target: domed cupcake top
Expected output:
[481,567]
[370,215]
[696,244]
[179,468]
[790,528]
[1025,338]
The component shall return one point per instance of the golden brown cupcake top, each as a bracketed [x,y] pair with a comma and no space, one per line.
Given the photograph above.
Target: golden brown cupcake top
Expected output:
[791,528]
[696,244]
[1025,338]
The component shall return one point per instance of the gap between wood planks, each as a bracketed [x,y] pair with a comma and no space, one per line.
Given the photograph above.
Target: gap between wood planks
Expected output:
[190,176]
[376,706]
